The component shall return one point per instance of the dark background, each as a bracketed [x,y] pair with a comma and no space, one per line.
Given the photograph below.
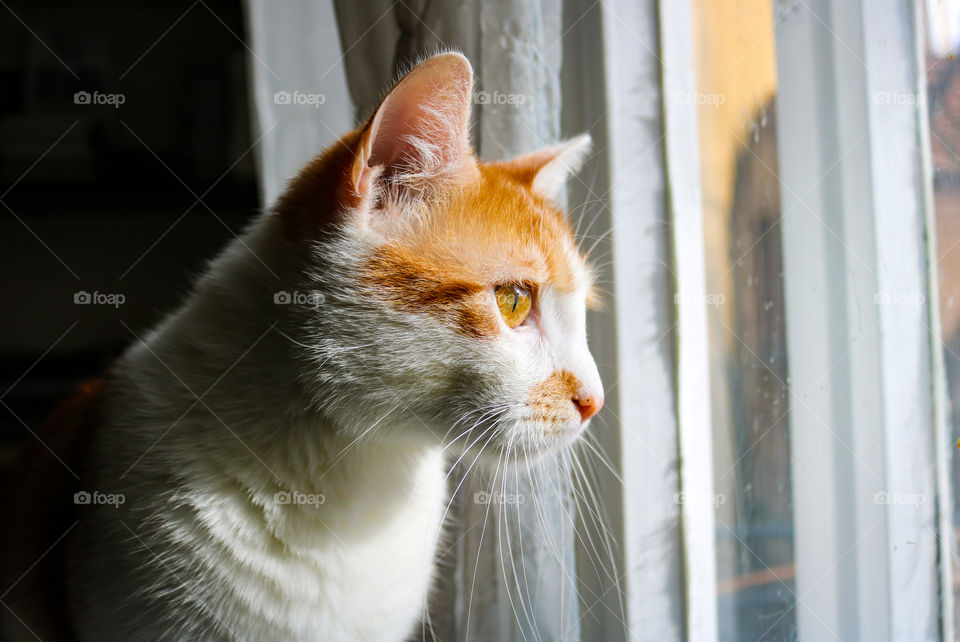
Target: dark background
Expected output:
[97,198]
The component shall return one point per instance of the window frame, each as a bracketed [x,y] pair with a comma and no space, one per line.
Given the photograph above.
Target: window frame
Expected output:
[857,222]
[692,349]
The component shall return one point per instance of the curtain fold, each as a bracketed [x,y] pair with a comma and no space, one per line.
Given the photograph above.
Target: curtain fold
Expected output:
[294,49]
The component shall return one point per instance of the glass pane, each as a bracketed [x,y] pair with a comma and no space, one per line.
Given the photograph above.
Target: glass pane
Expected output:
[736,92]
[943,104]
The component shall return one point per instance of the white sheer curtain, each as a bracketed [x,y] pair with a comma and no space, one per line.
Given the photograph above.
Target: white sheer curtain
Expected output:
[600,558]
[294,48]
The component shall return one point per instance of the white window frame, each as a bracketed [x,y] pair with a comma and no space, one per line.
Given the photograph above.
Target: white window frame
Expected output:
[853,236]
[682,143]
[867,396]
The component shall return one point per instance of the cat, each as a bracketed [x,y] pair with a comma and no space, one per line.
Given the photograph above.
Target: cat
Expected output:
[277,449]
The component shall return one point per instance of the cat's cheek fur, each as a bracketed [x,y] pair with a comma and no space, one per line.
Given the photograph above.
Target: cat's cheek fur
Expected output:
[539,369]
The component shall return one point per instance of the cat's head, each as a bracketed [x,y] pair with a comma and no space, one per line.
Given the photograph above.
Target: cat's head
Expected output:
[452,294]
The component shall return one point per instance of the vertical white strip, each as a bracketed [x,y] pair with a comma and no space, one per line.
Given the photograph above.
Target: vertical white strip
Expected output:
[809,319]
[633,337]
[854,260]
[693,363]
[943,446]
[295,47]
[891,65]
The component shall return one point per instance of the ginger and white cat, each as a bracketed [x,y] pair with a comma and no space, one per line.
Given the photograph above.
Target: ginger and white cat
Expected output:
[279,440]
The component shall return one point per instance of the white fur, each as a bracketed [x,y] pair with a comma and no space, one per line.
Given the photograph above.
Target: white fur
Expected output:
[210,553]
[567,159]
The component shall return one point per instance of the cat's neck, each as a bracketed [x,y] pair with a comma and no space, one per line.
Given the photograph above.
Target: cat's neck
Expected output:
[229,356]
[327,486]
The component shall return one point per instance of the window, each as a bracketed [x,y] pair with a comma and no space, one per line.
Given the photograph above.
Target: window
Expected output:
[829,458]
[736,108]
[943,109]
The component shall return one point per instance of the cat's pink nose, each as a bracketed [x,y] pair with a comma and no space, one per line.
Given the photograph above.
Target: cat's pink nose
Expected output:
[588,404]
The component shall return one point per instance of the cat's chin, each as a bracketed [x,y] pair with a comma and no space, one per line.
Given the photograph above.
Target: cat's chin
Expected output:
[494,456]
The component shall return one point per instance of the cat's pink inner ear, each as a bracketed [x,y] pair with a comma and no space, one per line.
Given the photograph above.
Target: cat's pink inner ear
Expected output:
[363,173]
[545,172]
[422,128]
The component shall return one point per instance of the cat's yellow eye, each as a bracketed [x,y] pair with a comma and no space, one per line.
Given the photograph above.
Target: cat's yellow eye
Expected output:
[514,302]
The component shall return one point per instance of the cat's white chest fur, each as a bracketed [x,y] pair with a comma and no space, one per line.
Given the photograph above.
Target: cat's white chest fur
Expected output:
[354,560]
[357,566]
[346,554]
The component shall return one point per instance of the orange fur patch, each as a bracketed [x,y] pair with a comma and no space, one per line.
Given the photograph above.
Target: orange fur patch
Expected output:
[318,195]
[475,234]
[553,395]
[473,237]
[416,285]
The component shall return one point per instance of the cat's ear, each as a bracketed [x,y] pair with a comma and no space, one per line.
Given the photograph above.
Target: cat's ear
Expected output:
[546,171]
[420,133]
